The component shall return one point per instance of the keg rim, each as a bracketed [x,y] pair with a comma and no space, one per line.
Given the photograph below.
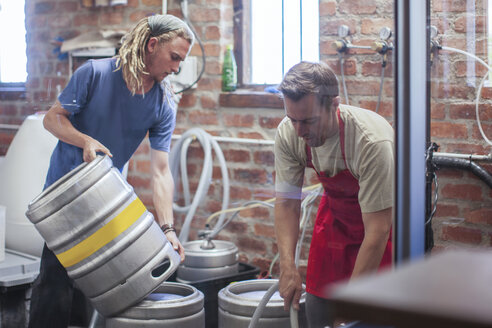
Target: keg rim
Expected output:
[62,184]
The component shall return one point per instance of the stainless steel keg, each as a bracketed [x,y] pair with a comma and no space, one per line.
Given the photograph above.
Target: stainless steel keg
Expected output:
[103,235]
[170,305]
[208,259]
[238,302]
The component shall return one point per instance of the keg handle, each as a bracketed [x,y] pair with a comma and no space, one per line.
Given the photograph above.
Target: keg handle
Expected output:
[207,244]
[173,259]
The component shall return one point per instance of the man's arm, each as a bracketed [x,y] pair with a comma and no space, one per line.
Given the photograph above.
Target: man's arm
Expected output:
[287,212]
[377,227]
[162,195]
[56,121]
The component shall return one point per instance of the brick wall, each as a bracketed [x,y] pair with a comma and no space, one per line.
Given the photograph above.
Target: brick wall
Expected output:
[464,208]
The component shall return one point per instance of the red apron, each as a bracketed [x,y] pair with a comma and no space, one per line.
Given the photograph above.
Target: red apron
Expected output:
[338,231]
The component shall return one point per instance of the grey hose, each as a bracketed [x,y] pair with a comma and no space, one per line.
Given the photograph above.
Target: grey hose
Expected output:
[259,310]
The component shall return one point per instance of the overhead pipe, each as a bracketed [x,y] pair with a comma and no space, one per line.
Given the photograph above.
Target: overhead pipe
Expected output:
[463,164]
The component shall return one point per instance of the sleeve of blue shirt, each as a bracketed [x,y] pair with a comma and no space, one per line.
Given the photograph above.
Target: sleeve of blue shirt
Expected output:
[160,134]
[75,95]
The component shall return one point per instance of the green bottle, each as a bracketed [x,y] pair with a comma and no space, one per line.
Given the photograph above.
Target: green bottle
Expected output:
[229,70]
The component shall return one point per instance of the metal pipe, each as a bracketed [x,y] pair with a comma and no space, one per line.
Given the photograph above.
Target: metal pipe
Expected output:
[411,96]
[464,164]
[471,157]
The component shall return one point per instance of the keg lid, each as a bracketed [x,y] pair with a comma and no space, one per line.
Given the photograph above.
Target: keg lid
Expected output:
[221,246]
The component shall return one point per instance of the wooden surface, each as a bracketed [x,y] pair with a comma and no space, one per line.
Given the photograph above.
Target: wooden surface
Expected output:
[449,289]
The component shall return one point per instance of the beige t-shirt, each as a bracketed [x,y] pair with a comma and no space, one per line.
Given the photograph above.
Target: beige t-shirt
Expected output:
[368,152]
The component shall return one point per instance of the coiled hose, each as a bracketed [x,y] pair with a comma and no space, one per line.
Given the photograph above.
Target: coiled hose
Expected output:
[178,165]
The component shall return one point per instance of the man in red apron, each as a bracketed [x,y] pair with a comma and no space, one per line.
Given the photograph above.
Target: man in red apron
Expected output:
[351,151]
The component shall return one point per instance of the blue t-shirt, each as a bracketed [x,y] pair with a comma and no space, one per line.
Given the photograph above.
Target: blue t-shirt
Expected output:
[102,107]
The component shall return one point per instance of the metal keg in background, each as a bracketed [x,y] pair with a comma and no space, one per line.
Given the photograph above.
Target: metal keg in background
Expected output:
[170,305]
[103,235]
[206,259]
[238,302]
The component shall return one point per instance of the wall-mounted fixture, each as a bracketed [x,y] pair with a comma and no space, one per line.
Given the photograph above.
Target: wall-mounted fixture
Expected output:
[382,46]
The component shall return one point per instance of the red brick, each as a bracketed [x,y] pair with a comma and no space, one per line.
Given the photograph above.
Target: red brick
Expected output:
[111,18]
[257,212]
[238,120]
[205,15]
[44,7]
[481,215]
[212,33]
[327,8]
[250,176]
[362,88]
[238,156]
[208,102]
[265,230]
[487,129]
[214,67]
[349,67]
[373,26]
[187,100]
[466,148]
[143,166]
[144,148]
[203,117]
[449,6]
[462,191]
[449,130]
[462,234]
[264,158]
[329,27]
[240,193]
[83,19]
[358,7]
[370,68]
[210,84]
[250,135]
[438,111]
[446,210]
[236,226]
[245,243]
[461,68]
[269,122]
[139,182]
[67,7]
[153,3]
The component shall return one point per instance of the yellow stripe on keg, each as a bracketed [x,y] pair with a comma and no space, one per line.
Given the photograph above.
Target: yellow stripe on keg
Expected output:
[104,235]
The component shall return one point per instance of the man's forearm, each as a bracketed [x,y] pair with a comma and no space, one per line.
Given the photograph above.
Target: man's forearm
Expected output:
[377,228]
[287,213]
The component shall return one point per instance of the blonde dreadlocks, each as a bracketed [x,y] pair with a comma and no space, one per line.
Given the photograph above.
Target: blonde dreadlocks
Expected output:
[131,56]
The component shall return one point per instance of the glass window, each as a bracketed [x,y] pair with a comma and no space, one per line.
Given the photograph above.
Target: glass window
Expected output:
[13,42]
[276,35]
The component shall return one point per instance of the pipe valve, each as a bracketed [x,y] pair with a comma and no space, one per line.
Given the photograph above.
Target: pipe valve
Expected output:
[340,45]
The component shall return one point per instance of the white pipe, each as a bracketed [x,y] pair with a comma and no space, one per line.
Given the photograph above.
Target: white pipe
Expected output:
[350,45]
[9,126]
[236,140]
[164,7]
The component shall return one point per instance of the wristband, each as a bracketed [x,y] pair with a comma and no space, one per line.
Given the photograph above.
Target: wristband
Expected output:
[167,227]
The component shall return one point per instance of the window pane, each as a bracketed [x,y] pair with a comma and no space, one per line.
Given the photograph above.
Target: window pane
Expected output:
[266,35]
[283,32]
[310,30]
[13,41]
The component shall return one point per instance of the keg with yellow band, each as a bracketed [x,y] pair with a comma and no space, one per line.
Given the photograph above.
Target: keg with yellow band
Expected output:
[104,235]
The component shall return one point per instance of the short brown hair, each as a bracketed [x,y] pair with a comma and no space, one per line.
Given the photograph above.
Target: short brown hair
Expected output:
[308,77]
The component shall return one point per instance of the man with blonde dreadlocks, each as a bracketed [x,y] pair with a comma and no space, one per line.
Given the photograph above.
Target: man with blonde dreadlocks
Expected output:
[108,107]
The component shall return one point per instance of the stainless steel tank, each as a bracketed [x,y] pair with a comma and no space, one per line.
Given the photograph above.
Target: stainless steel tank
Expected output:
[170,305]
[103,235]
[238,302]
[208,259]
